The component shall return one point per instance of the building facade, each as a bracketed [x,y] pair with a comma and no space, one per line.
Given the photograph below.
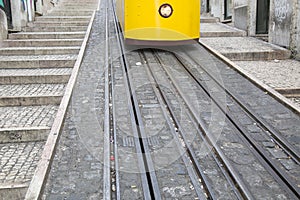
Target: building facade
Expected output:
[278,20]
[15,14]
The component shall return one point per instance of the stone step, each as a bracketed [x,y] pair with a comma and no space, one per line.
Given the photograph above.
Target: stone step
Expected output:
[47,35]
[55,29]
[31,94]
[18,164]
[41,43]
[25,123]
[42,61]
[220,30]
[76,7]
[27,116]
[27,134]
[246,48]
[13,190]
[81,3]
[54,23]
[38,50]
[63,18]
[70,13]
[34,76]
[206,19]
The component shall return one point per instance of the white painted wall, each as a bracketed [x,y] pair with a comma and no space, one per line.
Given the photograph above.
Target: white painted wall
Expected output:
[281,22]
[241,14]
[19,15]
[217,8]
[3,25]
[296,41]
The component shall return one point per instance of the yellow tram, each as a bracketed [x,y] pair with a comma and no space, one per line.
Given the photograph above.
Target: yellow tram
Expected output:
[152,22]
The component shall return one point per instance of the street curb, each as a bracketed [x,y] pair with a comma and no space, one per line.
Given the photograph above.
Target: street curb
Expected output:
[279,97]
[38,181]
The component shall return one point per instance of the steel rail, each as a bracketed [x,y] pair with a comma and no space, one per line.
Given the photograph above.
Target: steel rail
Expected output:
[184,152]
[280,175]
[189,148]
[149,179]
[113,136]
[106,141]
[243,187]
[281,141]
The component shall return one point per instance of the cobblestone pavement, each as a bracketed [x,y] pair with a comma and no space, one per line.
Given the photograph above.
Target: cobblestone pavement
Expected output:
[27,116]
[75,173]
[77,169]
[35,72]
[278,74]
[32,90]
[18,161]
[275,73]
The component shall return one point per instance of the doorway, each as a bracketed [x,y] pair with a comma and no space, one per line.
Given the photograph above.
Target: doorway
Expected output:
[262,16]
[227,9]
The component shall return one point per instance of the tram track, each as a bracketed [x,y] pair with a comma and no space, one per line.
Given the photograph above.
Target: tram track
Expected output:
[268,132]
[280,175]
[151,156]
[241,188]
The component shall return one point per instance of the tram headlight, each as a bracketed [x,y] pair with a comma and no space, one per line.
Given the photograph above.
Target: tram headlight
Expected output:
[165,10]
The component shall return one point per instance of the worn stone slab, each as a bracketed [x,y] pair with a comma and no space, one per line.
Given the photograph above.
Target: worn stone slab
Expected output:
[41,43]
[63,18]
[220,30]
[55,29]
[53,23]
[11,51]
[71,13]
[207,19]
[13,191]
[289,92]
[296,101]
[32,134]
[29,76]
[41,61]
[246,48]
[47,35]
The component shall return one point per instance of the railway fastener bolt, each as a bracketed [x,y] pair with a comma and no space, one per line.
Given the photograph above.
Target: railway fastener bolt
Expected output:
[113,172]
[113,188]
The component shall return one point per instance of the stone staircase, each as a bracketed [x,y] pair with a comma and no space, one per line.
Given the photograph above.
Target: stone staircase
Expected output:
[35,66]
